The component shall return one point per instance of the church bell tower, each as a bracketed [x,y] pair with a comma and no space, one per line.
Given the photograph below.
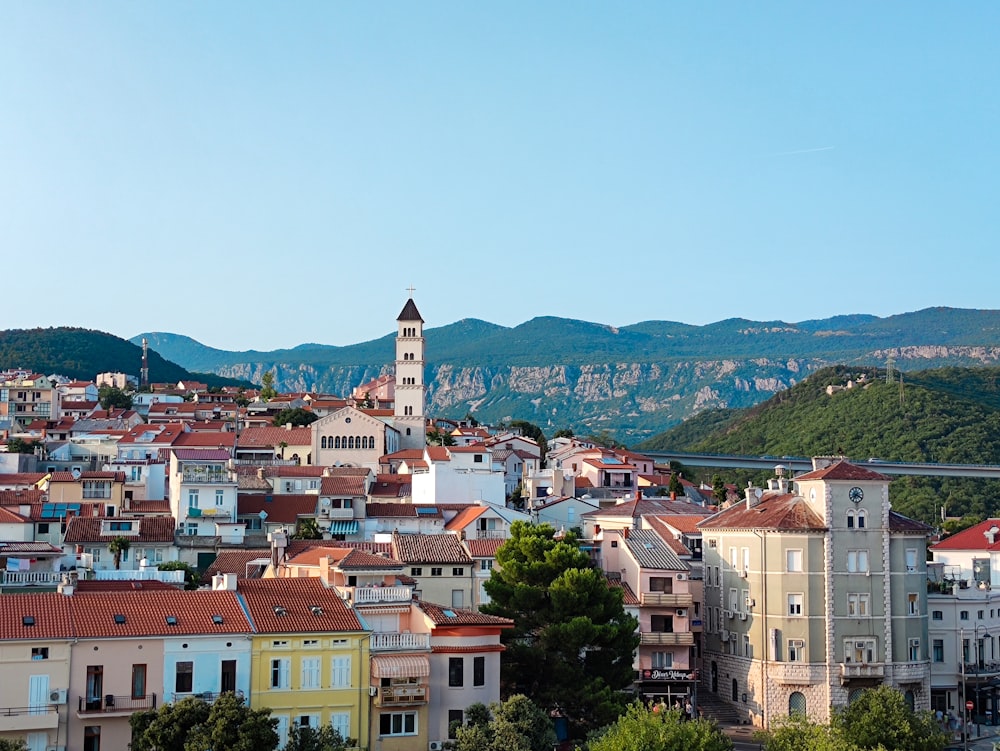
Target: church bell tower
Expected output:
[410,388]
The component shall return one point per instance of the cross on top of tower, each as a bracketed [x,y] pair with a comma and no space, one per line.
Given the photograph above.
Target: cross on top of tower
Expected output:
[411,289]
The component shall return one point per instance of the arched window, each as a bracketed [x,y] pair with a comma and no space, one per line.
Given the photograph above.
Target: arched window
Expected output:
[797,703]
[350,442]
[407,431]
[862,519]
[364,441]
[336,442]
[371,441]
[850,518]
[322,442]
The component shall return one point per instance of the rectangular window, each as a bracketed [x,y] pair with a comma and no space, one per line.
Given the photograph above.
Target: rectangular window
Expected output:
[486,564]
[857,561]
[747,649]
[963,615]
[92,738]
[310,672]
[937,615]
[193,498]
[478,671]
[858,604]
[138,681]
[220,497]
[911,560]
[939,650]
[796,650]
[417,571]
[458,572]
[793,560]
[183,677]
[279,672]
[435,572]
[732,600]
[341,672]
[746,559]
[914,650]
[456,671]
[39,653]
[397,723]
[734,557]
[458,598]
[795,603]
[913,604]
[455,720]
[43,528]
[341,722]
[663,659]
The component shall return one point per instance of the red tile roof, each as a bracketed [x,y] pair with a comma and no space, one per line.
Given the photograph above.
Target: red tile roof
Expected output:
[50,611]
[438,454]
[146,613]
[10,516]
[297,546]
[281,509]
[464,518]
[659,525]
[343,486]
[20,479]
[152,529]
[843,470]
[484,548]
[780,511]
[391,486]
[375,509]
[234,562]
[973,538]
[150,507]
[442,548]
[444,616]
[286,606]
[275,436]
[93,585]
[293,471]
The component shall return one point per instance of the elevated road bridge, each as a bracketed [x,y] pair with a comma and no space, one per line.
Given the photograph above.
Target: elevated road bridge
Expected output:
[799,464]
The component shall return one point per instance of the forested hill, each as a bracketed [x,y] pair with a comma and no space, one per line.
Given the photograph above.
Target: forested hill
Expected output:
[940,416]
[83,353]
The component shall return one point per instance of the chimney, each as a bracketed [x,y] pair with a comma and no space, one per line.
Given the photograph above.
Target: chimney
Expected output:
[224,582]
[625,533]
[67,586]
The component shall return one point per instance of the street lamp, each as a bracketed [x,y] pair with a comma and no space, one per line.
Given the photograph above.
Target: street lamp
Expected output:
[978,657]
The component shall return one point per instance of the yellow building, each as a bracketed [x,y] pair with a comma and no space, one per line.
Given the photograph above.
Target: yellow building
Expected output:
[309,657]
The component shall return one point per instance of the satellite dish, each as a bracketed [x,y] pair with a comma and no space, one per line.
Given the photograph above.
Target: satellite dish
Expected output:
[76,473]
[325,501]
[758,492]
[262,514]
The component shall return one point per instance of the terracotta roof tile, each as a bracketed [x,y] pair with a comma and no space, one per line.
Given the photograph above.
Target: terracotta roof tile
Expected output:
[375,509]
[145,613]
[20,479]
[343,486]
[843,470]
[659,525]
[9,515]
[50,611]
[235,562]
[442,548]
[904,524]
[781,511]
[152,529]
[275,436]
[484,548]
[298,546]
[444,616]
[464,518]
[973,538]
[286,606]
[131,585]
[280,509]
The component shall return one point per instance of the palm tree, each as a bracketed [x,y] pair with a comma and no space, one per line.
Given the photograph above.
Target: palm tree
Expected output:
[119,546]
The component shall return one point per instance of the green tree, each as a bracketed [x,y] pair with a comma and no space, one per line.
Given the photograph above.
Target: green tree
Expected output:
[267,390]
[798,733]
[516,724]
[563,433]
[296,416]
[572,643]
[112,397]
[118,547]
[881,717]
[20,446]
[660,729]
[675,486]
[324,738]
[192,577]
[437,437]
[13,744]
[232,726]
[307,528]
[719,489]
[166,728]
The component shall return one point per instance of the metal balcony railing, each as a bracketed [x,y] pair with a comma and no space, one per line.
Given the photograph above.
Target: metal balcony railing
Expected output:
[110,703]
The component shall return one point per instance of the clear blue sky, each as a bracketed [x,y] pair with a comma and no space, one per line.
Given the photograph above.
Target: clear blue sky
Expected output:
[258,175]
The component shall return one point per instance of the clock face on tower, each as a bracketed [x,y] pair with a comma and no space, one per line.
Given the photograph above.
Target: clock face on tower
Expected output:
[856,494]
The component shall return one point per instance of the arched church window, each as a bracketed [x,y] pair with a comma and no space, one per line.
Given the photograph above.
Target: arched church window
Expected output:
[350,442]
[322,442]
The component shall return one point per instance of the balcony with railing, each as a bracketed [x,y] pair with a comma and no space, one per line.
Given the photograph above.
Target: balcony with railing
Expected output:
[26,719]
[376,595]
[667,638]
[397,696]
[114,706]
[143,574]
[205,696]
[666,599]
[205,476]
[31,578]
[849,670]
[389,641]
[336,513]
[491,534]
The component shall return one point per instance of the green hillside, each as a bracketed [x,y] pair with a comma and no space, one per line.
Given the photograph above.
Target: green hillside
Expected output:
[83,353]
[942,416]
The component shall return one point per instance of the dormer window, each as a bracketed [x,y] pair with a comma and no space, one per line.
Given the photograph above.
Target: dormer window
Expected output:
[171,620]
[119,619]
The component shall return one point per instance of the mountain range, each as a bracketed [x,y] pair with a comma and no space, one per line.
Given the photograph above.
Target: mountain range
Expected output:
[632,382]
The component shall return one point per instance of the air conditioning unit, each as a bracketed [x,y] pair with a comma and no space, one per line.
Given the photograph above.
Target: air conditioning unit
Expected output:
[680,577]
[325,513]
[435,746]
[743,616]
[373,690]
[744,573]
[57,696]
[681,612]
[730,614]
[724,635]
[859,645]
[751,602]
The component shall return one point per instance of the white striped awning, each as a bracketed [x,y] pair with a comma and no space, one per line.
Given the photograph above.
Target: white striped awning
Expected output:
[400,666]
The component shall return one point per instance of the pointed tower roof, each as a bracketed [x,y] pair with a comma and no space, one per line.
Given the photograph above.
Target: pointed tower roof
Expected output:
[410,312]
